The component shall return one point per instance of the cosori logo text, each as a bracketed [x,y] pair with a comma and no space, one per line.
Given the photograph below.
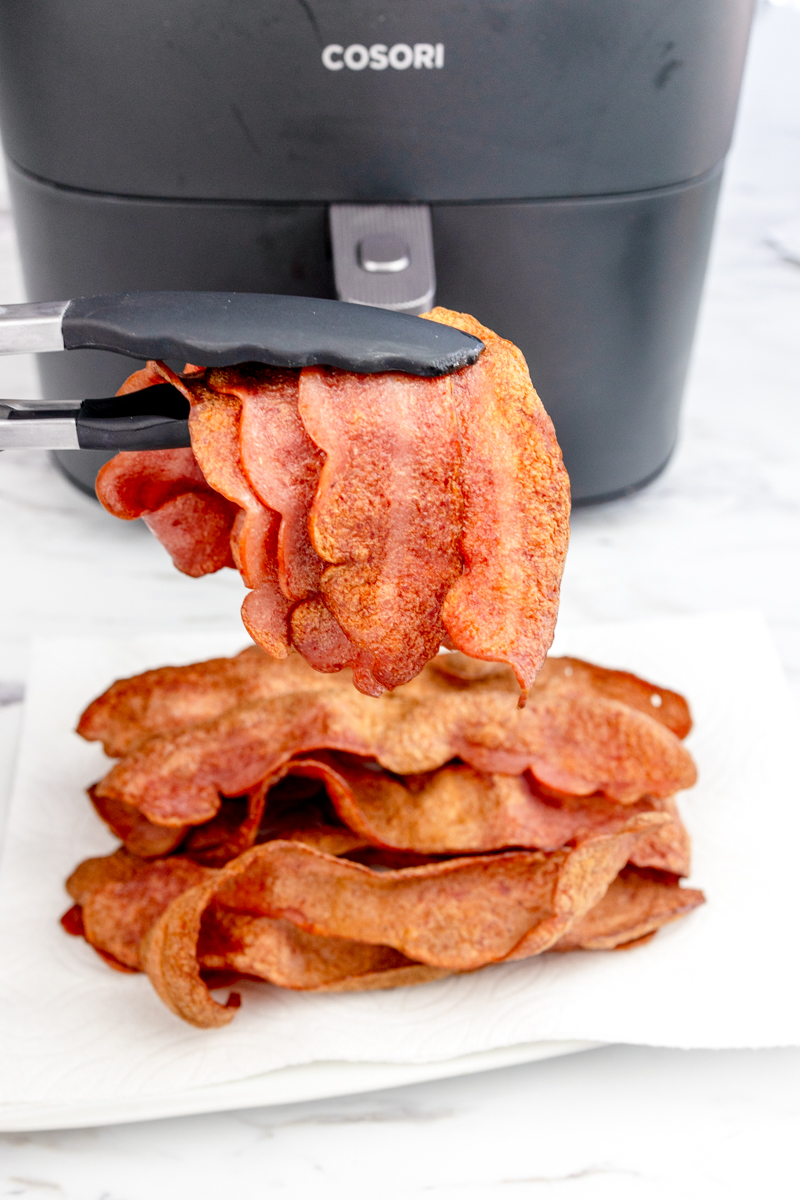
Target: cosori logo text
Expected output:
[399,57]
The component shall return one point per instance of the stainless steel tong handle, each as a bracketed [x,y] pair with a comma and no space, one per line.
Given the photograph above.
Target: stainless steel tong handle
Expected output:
[32,328]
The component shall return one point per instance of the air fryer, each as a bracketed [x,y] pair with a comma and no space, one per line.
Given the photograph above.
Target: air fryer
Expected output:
[551,166]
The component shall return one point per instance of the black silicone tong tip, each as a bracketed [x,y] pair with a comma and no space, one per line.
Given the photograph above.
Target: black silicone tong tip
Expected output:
[216,329]
[155,418]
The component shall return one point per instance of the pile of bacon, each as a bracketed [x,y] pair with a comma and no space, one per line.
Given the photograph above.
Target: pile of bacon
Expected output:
[374,518]
[278,825]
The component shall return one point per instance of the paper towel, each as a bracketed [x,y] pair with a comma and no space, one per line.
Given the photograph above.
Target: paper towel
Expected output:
[72,1030]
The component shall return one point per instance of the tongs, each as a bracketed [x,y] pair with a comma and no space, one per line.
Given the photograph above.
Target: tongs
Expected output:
[210,329]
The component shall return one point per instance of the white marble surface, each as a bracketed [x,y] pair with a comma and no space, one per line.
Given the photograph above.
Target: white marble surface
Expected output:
[720,528]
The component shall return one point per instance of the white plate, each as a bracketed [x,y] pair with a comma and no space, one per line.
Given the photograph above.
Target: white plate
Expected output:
[310,1081]
[82,1045]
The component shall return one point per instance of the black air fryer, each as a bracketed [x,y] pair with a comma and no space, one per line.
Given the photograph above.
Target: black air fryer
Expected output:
[551,166]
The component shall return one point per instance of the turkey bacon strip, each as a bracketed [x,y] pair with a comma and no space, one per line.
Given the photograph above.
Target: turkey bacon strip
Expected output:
[458,810]
[455,915]
[589,742]
[387,514]
[281,463]
[168,699]
[379,516]
[214,424]
[516,510]
[167,489]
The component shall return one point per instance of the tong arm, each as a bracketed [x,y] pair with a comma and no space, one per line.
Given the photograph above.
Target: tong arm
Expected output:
[31,328]
[155,418]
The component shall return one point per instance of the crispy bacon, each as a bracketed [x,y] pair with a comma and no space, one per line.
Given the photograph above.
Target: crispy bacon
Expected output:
[516,510]
[283,913]
[121,896]
[387,513]
[636,905]
[574,739]
[377,515]
[214,424]
[238,721]
[281,463]
[458,810]
[168,490]
[172,698]
[455,915]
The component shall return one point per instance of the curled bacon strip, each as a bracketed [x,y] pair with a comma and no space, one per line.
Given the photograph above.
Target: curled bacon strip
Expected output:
[516,510]
[121,896]
[454,916]
[376,515]
[219,931]
[171,698]
[138,835]
[636,905]
[387,514]
[457,810]
[282,464]
[571,737]
[214,427]
[169,491]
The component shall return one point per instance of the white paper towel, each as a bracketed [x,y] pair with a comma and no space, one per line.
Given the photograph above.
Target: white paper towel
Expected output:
[72,1030]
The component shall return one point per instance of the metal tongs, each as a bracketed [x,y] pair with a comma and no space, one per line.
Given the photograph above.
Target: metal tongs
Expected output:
[211,329]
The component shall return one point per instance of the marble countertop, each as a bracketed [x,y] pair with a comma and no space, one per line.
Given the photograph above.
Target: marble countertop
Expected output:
[720,529]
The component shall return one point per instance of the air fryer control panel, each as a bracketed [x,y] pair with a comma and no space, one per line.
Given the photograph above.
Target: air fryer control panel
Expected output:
[369,100]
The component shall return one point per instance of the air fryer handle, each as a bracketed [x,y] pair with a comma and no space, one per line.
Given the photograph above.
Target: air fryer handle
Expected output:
[383,255]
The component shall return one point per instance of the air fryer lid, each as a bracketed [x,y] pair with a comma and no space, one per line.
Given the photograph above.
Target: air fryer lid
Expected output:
[430,101]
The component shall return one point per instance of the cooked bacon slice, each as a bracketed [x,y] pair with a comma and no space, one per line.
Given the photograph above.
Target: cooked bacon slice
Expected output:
[121,896]
[458,810]
[387,513]
[667,848]
[168,489]
[137,834]
[319,637]
[124,900]
[281,463]
[636,905]
[454,810]
[196,530]
[280,466]
[391,513]
[94,873]
[214,427]
[455,915]
[516,510]
[173,698]
[141,481]
[193,928]
[573,738]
